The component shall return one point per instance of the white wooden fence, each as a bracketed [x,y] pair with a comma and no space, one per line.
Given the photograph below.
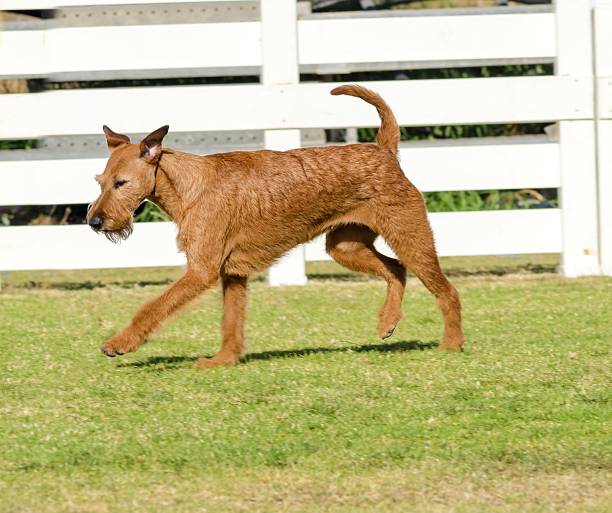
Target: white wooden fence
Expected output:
[578,97]
[602,28]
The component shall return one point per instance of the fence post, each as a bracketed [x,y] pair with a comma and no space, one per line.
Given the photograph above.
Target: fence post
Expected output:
[578,194]
[602,39]
[280,67]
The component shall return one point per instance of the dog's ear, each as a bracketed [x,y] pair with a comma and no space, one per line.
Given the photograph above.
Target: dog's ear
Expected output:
[113,139]
[150,147]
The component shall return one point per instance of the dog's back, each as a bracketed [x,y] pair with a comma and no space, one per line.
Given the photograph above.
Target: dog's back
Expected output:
[293,196]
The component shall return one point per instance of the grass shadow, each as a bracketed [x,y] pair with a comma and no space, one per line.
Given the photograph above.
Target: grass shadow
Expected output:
[341,276]
[158,361]
[169,362]
[401,346]
[90,285]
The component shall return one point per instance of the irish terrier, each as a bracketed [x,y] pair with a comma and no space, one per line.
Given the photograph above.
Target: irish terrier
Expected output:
[238,212]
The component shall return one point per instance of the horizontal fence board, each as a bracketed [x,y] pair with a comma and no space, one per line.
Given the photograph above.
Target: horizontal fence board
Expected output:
[21,53]
[481,167]
[254,107]
[122,48]
[509,232]
[429,38]
[78,247]
[54,4]
[153,244]
[49,182]
[431,168]
[75,51]
[505,232]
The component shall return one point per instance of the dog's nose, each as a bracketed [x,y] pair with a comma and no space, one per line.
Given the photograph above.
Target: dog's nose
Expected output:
[96,222]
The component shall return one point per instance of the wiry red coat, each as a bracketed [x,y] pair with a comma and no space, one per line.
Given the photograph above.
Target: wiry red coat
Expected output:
[238,212]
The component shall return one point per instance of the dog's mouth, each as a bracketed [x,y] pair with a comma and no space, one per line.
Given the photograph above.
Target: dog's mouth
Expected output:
[116,236]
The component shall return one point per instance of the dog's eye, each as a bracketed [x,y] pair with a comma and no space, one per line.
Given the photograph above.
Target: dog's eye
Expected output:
[119,183]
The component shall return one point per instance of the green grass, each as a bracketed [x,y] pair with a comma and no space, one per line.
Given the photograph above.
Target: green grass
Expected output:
[322,417]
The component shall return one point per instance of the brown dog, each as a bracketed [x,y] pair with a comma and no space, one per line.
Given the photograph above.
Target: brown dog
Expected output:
[238,212]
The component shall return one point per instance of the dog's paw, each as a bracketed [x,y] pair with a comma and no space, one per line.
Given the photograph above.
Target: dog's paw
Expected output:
[217,361]
[119,345]
[388,320]
[452,345]
[386,327]
[386,332]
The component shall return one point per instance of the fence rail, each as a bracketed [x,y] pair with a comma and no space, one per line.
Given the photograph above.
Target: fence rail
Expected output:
[278,107]
[152,244]
[578,98]
[461,167]
[79,51]
[8,5]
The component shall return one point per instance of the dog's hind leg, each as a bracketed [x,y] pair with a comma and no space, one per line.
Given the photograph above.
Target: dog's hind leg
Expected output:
[407,231]
[353,247]
[232,326]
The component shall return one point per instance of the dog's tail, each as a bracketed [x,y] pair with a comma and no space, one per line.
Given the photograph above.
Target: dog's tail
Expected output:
[388,135]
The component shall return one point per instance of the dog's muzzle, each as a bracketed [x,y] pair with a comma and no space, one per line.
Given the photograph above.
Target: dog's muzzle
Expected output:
[96,223]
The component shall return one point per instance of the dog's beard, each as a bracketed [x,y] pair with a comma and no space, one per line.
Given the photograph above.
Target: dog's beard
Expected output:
[116,236]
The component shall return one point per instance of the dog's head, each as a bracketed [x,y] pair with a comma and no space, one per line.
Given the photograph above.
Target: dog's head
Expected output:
[128,179]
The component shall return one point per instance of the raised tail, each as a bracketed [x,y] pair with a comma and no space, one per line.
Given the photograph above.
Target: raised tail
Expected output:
[388,134]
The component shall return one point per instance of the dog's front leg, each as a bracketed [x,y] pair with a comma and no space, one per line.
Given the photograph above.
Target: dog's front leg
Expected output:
[232,326]
[154,312]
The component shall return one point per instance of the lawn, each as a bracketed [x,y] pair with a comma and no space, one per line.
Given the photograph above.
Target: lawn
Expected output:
[322,417]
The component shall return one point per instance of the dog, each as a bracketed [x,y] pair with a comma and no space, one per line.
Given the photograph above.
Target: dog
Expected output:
[240,211]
